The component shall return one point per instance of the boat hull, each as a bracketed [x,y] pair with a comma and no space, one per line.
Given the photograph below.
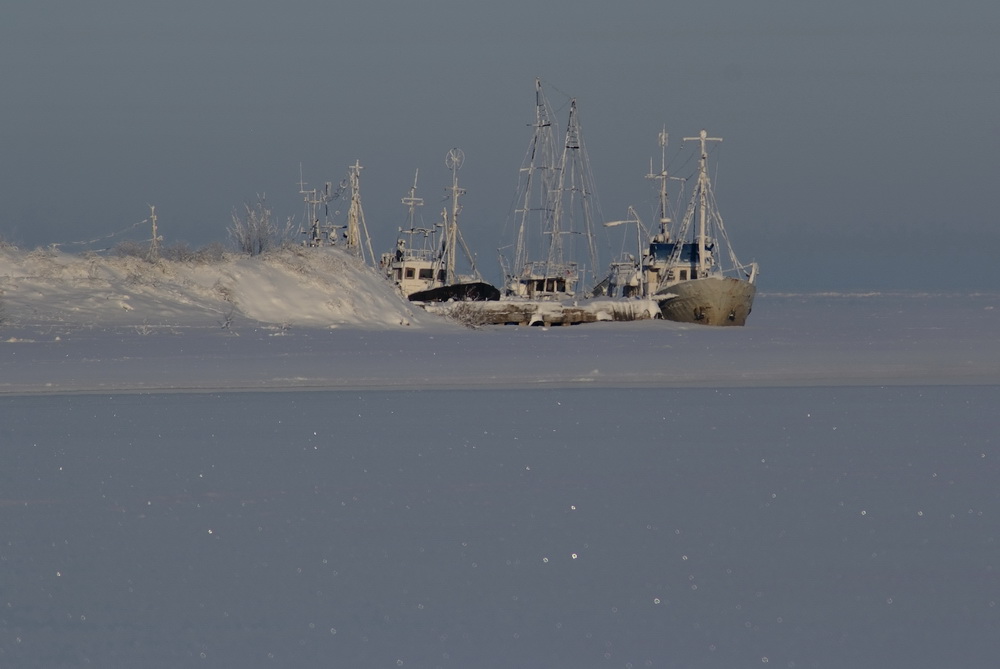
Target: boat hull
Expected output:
[708,301]
[477,291]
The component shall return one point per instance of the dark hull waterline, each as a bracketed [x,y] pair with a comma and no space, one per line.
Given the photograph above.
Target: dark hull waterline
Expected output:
[476,291]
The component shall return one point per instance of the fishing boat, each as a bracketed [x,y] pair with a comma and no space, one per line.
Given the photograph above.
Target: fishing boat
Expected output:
[694,275]
[625,275]
[424,267]
[555,203]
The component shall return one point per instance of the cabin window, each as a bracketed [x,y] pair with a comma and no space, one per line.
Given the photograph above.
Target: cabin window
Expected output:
[442,275]
[684,274]
[409,272]
[427,273]
[399,274]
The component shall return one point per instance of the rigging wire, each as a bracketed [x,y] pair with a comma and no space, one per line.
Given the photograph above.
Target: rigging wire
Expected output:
[101,239]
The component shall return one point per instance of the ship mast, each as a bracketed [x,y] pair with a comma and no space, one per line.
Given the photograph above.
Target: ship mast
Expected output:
[313,199]
[536,197]
[662,177]
[703,187]
[356,217]
[412,201]
[575,186]
[154,245]
[453,161]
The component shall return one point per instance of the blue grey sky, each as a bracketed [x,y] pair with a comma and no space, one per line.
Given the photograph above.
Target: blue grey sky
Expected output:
[861,138]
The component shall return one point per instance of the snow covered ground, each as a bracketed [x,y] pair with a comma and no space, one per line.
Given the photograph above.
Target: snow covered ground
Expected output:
[316,319]
[816,489]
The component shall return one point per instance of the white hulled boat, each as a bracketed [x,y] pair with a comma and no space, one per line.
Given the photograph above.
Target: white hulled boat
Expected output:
[423,268]
[694,275]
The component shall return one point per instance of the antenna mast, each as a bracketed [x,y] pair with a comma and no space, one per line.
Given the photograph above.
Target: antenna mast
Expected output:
[662,177]
[313,199]
[411,200]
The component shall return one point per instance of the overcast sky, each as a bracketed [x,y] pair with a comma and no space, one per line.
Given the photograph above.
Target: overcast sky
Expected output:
[861,138]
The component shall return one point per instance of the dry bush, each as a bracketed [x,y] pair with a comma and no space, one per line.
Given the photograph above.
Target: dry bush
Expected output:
[254,231]
[213,252]
[469,314]
[130,249]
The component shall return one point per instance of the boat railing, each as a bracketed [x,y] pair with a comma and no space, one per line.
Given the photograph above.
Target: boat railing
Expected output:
[416,254]
[543,269]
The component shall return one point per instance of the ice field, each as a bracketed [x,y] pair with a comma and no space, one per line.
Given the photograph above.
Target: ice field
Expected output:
[817,489]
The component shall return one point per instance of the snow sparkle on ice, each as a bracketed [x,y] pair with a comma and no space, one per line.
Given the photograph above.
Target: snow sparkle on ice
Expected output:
[817,489]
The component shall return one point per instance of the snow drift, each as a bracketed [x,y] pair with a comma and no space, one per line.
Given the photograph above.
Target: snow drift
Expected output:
[305,287]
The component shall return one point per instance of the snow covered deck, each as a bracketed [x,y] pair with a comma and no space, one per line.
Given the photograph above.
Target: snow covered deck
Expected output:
[531,312]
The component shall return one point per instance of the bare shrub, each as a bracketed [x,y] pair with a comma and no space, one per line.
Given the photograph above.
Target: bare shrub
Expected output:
[213,252]
[183,253]
[177,253]
[469,314]
[130,249]
[254,231]
[42,253]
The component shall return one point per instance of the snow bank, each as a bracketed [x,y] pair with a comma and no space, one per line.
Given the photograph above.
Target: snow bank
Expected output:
[303,287]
